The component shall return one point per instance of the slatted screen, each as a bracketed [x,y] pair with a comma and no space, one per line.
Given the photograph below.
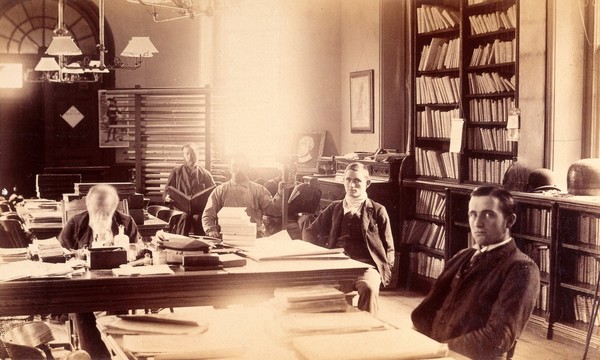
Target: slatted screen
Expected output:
[152,128]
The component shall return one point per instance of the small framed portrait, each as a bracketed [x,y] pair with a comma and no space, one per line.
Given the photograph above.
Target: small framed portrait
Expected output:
[309,148]
[111,122]
[361,102]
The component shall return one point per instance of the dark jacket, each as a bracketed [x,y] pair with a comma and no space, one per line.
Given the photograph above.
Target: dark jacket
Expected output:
[325,230]
[77,233]
[491,304]
[189,182]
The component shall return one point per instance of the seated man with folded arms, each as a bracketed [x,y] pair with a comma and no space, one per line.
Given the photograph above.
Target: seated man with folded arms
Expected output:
[99,223]
[362,227]
[482,300]
[240,192]
[190,178]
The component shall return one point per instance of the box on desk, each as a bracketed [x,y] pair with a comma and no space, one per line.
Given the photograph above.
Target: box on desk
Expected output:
[106,258]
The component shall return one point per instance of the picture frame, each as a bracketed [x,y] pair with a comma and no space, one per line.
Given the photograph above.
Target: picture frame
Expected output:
[361,101]
[110,113]
[309,149]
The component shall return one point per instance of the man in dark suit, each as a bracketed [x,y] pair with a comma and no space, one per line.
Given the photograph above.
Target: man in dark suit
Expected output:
[362,227]
[482,300]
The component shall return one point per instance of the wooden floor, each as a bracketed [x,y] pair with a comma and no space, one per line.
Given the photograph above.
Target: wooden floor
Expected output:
[396,306]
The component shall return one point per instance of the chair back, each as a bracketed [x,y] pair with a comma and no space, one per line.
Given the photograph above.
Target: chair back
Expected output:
[154,209]
[13,234]
[171,217]
[77,206]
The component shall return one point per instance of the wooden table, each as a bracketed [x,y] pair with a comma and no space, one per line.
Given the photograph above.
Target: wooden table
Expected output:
[99,290]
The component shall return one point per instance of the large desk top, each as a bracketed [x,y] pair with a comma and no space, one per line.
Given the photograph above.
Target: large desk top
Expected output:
[98,290]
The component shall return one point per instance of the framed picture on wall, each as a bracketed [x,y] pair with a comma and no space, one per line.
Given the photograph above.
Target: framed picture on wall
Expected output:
[309,148]
[110,122]
[361,102]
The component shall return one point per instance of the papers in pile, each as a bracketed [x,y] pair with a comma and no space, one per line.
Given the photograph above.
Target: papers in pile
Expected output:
[310,299]
[33,269]
[236,227]
[12,254]
[47,248]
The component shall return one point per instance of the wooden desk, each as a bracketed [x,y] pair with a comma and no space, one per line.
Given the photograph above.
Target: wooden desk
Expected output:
[47,230]
[99,290]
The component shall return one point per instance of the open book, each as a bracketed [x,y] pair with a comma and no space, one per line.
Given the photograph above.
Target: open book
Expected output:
[190,204]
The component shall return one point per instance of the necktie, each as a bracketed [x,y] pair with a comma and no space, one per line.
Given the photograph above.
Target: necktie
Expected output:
[475,259]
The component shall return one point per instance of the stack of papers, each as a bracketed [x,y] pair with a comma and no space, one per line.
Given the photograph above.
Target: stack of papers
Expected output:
[33,269]
[165,324]
[280,246]
[311,299]
[236,227]
[127,270]
[47,248]
[330,323]
[45,216]
[12,255]
[387,344]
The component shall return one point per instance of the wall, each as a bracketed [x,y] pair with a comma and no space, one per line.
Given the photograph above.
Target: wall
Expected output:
[276,72]
[565,103]
[177,41]
[360,51]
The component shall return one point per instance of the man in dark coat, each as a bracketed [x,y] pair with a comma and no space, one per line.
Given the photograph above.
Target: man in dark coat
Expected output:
[190,178]
[482,300]
[362,227]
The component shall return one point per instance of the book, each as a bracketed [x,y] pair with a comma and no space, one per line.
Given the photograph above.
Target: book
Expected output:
[189,204]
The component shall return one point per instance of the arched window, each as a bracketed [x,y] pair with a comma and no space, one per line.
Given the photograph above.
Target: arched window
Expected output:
[26,27]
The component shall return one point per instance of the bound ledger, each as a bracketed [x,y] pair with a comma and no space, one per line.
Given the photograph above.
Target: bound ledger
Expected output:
[190,204]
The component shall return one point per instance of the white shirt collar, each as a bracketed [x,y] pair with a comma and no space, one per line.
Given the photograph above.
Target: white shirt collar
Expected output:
[492,246]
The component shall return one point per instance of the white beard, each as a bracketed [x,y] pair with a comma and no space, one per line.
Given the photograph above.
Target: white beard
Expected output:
[100,223]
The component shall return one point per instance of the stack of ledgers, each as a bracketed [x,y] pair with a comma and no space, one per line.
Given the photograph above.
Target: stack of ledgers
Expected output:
[310,299]
[236,227]
[12,254]
[47,248]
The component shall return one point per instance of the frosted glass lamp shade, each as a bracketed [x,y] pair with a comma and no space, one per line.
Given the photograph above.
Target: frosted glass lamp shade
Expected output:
[139,46]
[47,64]
[63,45]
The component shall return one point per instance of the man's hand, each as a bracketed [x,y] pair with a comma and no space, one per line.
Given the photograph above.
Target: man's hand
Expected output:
[214,234]
[168,198]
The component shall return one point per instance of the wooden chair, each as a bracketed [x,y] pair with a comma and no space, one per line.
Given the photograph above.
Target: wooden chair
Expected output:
[154,209]
[30,340]
[13,234]
[170,216]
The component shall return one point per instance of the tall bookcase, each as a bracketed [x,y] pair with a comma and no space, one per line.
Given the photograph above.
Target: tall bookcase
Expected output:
[465,66]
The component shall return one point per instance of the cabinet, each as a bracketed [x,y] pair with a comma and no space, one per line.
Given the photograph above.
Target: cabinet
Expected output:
[465,66]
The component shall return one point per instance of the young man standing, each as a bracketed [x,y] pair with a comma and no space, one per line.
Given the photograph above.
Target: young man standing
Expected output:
[362,227]
[482,300]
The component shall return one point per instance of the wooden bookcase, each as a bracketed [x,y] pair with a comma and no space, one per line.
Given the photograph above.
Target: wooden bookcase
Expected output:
[465,66]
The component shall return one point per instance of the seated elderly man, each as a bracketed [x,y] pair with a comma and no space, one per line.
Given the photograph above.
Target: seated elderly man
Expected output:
[100,222]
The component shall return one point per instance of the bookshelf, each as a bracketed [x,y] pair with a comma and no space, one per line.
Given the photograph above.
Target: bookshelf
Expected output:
[465,66]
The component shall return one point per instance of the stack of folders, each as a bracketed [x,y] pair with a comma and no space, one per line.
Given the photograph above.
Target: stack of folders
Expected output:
[12,254]
[163,324]
[49,250]
[236,227]
[310,299]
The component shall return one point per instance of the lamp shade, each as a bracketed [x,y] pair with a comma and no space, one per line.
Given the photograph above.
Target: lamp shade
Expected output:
[139,46]
[63,45]
[47,64]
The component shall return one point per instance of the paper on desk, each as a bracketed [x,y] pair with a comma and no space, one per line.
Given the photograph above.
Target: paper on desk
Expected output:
[335,322]
[281,246]
[33,269]
[385,344]
[182,346]
[114,325]
[126,270]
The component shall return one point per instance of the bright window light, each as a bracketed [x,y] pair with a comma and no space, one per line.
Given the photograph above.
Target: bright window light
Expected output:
[11,76]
